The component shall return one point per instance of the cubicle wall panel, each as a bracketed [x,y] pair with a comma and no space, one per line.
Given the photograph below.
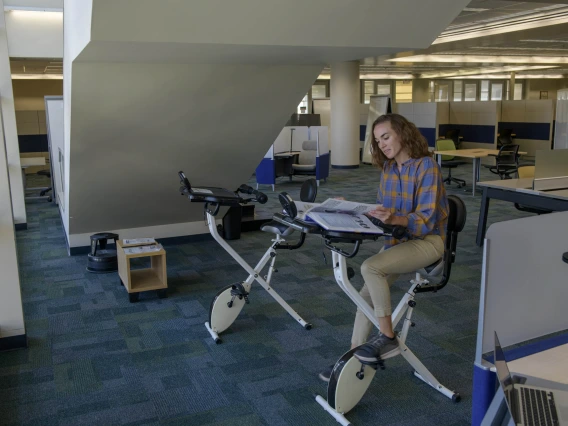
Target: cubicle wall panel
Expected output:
[525,281]
[535,131]
[323,133]
[322,166]
[471,133]
[561,126]
[363,114]
[429,134]
[265,172]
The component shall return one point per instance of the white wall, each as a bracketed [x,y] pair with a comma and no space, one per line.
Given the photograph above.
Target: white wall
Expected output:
[10,130]
[77,21]
[11,314]
[35,34]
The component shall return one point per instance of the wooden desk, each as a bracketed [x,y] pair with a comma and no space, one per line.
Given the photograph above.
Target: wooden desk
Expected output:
[475,154]
[283,163]
[517,191]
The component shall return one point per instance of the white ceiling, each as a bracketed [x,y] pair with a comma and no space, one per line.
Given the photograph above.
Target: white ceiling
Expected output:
[491,28]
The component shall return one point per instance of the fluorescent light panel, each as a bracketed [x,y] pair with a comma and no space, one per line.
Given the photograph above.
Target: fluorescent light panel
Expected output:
[506,76]
[32,9]
[477,71]
[484,59]
[37,77]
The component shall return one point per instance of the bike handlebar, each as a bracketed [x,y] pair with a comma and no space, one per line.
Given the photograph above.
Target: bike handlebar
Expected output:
[260,197]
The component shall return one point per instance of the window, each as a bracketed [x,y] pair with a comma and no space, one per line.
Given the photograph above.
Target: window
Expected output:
[403,92]
[496,91]
[458,91]
[368,90]
[383,89]
[470,91]
[441,92]
[303,106]
[319,91]
[431,90]
[518,93]
[484,95]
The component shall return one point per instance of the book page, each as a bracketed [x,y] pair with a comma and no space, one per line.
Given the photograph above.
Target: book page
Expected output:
[137,241]
[143,249]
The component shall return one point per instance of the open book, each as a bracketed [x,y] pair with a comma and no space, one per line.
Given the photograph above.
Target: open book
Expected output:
[341,215]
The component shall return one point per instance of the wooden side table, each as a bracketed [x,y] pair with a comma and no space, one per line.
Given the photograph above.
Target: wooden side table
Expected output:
[138,280]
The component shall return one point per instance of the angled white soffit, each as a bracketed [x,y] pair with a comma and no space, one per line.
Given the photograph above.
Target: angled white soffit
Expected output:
[268,31]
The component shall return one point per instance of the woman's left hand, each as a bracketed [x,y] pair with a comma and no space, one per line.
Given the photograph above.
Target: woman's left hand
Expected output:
[383,214]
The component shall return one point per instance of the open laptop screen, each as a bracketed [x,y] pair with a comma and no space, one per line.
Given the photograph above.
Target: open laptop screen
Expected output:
[504,376]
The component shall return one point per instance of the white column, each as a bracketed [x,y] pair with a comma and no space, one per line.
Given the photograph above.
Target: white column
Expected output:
[512,86]
[345,94]
[9,122]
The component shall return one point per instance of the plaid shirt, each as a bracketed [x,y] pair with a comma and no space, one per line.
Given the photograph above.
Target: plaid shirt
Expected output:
[418,193]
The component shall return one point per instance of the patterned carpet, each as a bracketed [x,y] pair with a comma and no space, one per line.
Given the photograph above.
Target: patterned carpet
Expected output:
[95,358]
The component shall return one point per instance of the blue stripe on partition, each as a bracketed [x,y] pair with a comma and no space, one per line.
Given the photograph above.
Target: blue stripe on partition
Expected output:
[265,173]
[429,134]
[538,131]
[471,132]
[534,348]
[33,143]
[362,131]
[322,166]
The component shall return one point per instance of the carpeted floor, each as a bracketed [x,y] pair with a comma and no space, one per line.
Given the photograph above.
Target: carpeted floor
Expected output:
[95,358]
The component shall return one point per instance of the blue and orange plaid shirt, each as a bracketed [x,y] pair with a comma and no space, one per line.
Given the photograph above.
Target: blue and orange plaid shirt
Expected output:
[418,193]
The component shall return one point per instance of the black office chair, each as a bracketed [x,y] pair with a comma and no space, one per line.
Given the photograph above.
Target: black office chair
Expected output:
[47,174]
[448,161]
[454,135]
[505,137]
[506,162]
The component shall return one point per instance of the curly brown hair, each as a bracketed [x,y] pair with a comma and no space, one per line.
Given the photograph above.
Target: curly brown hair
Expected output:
[410,138]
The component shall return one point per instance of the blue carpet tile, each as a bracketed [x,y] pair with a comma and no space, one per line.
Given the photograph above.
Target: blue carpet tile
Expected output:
[96,359]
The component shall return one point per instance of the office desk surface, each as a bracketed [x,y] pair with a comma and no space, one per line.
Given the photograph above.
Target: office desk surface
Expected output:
[512,184]
[287,153]
[523,185]
[517,191]
[472,153]
[549,365]
[32,161]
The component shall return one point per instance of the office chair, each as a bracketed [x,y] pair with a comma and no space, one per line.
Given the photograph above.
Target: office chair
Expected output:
[448,160]
[505,137]
[454,135]
[506,162]
[528,172]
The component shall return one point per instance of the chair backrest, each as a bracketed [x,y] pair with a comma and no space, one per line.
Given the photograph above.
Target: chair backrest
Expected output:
[456,222]
[504,140]
[309,153]
[309,191]
[508,155]
[453,134]
[446,145]
[506,133]
[526,172]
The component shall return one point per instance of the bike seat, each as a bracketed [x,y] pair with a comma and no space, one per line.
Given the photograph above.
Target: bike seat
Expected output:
[433,270]
[276,228]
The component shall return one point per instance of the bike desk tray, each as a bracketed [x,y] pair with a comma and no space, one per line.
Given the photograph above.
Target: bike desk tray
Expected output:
[138,280]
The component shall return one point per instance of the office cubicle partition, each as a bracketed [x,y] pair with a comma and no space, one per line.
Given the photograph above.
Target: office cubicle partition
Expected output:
[427,116]
[523,294]
[56,140]
[531,121]
[561,126]
[291,139]
[477,122]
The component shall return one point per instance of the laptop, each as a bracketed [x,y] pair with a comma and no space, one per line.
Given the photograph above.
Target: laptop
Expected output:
[530,405]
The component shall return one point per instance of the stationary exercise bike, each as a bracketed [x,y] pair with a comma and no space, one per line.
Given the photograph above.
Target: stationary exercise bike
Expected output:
[350,378]
[230,300]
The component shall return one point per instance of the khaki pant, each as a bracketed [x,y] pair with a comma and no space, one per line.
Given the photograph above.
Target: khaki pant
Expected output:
[381,270]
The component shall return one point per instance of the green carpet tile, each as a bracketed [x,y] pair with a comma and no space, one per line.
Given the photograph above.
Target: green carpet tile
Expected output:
[95,358]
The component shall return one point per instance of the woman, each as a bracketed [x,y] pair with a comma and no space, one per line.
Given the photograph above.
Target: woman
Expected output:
[411,194]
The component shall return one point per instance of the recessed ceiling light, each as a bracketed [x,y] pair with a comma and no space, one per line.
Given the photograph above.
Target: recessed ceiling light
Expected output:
[545,41]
